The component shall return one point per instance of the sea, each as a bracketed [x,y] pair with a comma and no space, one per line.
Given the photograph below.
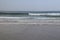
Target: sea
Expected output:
[31,15]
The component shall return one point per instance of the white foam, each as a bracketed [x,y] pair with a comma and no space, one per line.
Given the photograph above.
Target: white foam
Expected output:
[37,14]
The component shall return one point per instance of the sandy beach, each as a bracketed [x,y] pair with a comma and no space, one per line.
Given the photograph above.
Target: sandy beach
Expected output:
[30,30]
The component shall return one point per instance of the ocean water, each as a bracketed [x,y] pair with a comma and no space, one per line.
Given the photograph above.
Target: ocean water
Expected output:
[32,16]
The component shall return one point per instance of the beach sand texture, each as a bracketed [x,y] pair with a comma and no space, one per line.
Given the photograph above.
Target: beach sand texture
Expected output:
[29,29]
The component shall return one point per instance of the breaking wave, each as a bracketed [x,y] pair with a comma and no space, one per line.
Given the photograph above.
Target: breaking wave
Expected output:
[31,15]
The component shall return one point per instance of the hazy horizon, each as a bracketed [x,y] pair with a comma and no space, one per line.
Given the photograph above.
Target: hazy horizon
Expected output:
[29,5]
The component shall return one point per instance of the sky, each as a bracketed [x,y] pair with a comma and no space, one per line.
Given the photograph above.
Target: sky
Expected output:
[29,5]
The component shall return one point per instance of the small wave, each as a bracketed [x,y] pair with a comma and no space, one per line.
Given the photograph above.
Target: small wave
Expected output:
[33,16]
[44,14]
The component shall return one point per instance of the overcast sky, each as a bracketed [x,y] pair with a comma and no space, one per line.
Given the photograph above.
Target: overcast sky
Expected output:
[29,5]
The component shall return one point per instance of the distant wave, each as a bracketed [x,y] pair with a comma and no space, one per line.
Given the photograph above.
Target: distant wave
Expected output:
[30,15]
[45,14]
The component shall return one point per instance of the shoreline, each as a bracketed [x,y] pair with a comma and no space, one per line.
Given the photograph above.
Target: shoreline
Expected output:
[4,20]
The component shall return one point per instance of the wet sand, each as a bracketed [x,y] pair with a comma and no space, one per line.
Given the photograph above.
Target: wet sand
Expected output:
[42,30]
